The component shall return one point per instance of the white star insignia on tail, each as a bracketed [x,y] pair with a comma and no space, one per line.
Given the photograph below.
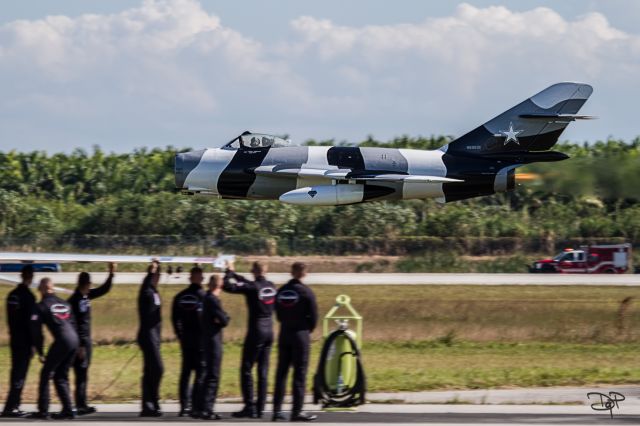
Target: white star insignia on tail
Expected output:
[510,135]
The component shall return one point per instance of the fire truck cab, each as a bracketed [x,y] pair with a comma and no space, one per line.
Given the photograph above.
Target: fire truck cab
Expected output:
[596,259]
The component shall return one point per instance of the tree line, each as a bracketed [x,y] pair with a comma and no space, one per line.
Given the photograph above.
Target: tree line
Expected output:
[595,194]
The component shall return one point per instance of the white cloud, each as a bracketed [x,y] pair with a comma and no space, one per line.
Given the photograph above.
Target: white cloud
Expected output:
[170,72]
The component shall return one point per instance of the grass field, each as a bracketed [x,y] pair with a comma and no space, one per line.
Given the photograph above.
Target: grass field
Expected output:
[563,314]
[408,366]
[416,337]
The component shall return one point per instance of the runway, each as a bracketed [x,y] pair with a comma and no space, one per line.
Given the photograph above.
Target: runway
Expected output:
[397,414]
[385,278]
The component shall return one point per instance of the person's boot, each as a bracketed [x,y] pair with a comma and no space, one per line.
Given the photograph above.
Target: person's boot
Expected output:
[40,415]
[247,412]
[83,411]
[64,415]
[279,416]
[211,416]
[184,412]
[150,413]
[15,413]
[303,417]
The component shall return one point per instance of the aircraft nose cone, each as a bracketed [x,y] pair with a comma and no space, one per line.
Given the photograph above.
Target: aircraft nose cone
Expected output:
[184,164]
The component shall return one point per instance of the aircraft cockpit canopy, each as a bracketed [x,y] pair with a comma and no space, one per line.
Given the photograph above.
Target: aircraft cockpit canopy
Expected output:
[250,140]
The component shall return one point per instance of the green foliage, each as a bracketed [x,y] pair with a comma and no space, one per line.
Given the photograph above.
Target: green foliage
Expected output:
[593,195]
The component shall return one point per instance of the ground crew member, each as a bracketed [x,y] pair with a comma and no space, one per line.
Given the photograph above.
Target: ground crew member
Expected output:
[185,316]
[297,312]
[80,302]
[150,318]
[260,296]
[57,315]
[214,319]
[20,305]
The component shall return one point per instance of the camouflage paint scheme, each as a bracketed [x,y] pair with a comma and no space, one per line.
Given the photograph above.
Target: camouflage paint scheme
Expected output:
[481,162]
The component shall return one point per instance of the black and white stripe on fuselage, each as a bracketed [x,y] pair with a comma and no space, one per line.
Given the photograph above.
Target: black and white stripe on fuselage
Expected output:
[230,173]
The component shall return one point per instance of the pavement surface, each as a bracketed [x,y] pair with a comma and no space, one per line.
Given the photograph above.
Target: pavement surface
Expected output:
[383,278]
[569,406]
[518,396]
[376,414]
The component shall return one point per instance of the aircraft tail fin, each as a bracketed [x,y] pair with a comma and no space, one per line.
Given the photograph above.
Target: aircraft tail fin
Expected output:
[533,125]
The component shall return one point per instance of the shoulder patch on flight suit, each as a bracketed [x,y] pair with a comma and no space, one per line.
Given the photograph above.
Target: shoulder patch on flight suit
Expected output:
[84,305]
[288,298]
[60,311]
[267,295]
[189,302]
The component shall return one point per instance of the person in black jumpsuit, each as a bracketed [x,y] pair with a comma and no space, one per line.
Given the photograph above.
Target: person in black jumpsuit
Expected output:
[185,316]
[57,315]
[20,305]
[150,317]
[80,302]
[297,312]
[260,296]
[214,319]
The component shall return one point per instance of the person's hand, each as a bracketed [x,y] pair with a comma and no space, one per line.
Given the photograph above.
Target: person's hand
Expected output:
[230,266]
[41,358]
[112,267]
[81,353]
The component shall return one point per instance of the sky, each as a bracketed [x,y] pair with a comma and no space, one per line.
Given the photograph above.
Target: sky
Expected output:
[126,74]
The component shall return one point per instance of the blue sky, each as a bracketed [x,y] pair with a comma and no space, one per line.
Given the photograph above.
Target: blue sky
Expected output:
[125,74]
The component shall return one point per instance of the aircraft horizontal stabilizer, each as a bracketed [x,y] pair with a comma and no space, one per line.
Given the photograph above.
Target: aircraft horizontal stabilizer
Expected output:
[218,262]
[558,117]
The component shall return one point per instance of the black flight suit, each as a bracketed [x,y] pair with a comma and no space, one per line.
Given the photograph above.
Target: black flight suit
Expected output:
[81,306]
[20,306]
[185,316]
[57,315]
[214,319]
[260,296]
[150,317]
[297,312]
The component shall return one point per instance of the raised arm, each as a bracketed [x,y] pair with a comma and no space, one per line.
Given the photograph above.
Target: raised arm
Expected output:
[241,284]
[106,287]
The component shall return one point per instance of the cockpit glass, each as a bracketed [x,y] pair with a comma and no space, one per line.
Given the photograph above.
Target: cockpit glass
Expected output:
[257,141]
[234,144]
[560,256]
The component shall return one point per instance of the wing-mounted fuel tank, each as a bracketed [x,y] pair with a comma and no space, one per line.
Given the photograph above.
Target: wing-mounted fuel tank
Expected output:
[334,195]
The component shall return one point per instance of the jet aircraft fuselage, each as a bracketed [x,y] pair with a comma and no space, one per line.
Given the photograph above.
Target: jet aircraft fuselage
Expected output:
[482,162]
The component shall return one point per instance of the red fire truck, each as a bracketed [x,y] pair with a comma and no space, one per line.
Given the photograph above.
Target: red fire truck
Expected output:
[596,259]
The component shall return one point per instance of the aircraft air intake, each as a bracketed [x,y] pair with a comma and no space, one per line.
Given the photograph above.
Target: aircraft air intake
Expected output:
[185,162]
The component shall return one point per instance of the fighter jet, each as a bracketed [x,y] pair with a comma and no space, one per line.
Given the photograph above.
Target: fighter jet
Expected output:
[482,162]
